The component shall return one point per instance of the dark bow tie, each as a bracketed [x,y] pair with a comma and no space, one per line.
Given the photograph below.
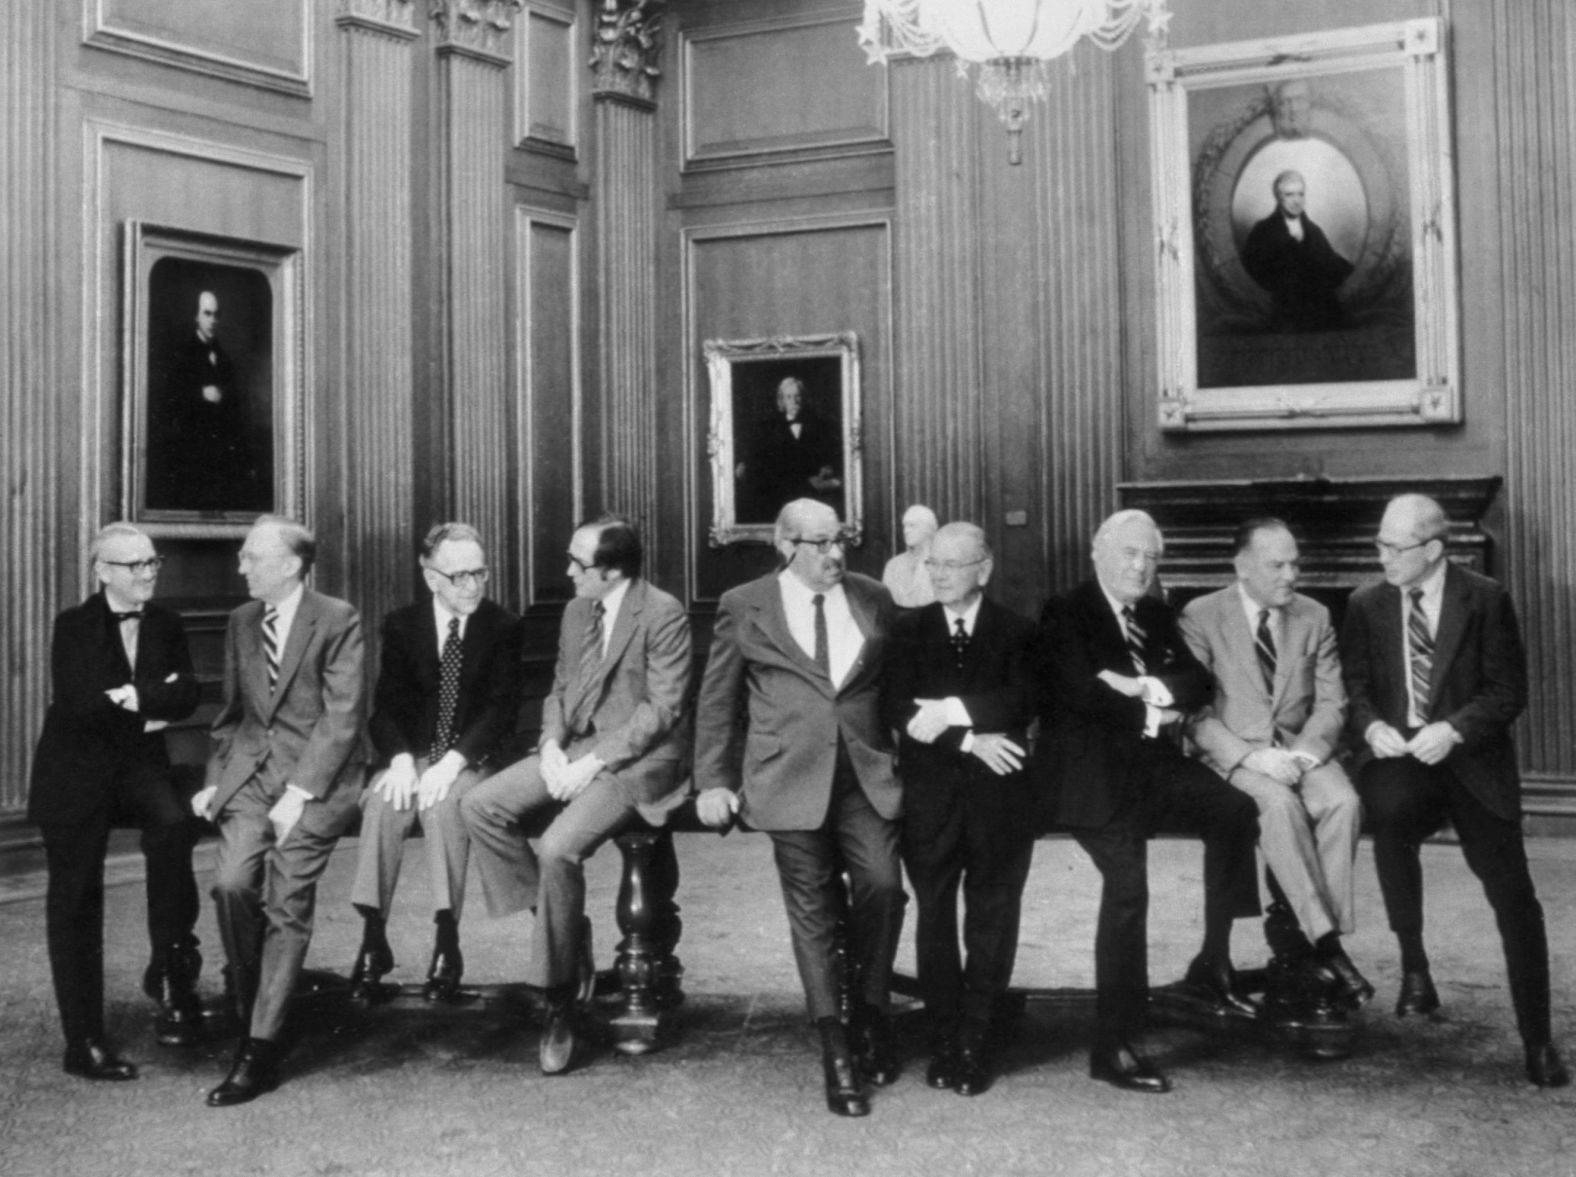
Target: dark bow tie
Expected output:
[122,618]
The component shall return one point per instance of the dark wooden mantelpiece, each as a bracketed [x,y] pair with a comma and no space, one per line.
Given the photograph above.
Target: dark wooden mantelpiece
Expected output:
[1335,520]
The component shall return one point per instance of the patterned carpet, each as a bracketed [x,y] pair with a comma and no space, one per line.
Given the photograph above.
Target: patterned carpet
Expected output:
[411,1091]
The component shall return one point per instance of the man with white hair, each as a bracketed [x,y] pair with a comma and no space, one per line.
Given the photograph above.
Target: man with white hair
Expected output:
[1437,674]
[1117,679]
[905,575]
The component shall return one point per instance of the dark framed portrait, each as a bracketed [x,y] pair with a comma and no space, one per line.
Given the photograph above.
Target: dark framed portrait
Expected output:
[785,425]
[212,370]
[1305,231]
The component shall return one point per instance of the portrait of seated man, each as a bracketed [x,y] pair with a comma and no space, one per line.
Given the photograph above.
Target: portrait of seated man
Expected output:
[1290,256]
[792,454]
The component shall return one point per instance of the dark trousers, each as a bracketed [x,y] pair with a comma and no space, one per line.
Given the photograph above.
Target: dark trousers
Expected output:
[1406,801]
[74,904]
[1170,794]
[854,837]
[955,838]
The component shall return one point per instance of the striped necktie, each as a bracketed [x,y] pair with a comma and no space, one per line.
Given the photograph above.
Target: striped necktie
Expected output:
[271,644]
[1135,636]
[448,692]
[1419,653]
[1264,647]
[590,659]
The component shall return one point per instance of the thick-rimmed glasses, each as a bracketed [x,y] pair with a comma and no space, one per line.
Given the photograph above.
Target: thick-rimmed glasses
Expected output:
[137,567]
[467,578]
[841,540]
[1394,550]
[951,565]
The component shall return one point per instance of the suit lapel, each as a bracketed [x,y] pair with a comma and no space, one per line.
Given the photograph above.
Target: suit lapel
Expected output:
[864,614]
[772,619]
[1453,610]
[295,647]
[112,634]
[253,662]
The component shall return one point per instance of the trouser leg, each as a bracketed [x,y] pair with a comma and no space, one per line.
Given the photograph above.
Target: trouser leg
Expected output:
[74,924]
[492,812]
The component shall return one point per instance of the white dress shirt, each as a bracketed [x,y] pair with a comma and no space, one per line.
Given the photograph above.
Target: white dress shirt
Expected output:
[843,638]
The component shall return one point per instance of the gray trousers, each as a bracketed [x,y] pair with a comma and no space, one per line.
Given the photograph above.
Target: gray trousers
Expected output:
[382,847]
[552,877]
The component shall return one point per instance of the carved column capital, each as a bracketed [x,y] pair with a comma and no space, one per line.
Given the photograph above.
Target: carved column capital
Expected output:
[624,52]
[379,16]
[477,28]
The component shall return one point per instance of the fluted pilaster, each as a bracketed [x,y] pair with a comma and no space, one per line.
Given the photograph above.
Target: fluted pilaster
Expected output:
[626,240]
[379,375]
[936,271]
[1535,97]
[473,47]
[30,418]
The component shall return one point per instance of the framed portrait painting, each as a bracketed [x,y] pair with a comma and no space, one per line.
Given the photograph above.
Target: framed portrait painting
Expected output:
[1305,231]
[784,426]
[212,370]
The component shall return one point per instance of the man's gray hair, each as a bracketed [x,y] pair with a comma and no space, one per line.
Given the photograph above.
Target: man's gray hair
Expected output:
[1427,517]
[296,536]
[971,531]
[117,530]
[443,533]
[1121,519]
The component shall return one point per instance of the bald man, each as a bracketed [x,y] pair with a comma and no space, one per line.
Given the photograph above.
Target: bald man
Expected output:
[1436,673]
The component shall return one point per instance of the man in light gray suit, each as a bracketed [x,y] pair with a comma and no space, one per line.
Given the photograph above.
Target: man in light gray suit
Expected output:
[612,750]
[282,782]
[802,651]
[1272,729]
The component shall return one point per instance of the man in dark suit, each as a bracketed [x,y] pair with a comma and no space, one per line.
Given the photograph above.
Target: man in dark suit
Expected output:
[795,455]
[448,687]
[1437,674]
[121,672]
[1116,679]
[1289,255]
[612,750]
[960,687]
[802,653]
[282,782]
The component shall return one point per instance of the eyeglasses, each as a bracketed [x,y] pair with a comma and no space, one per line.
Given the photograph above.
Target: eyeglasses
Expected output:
[137,567]
[467,579]
[1394,550]
[841,540]
[951,565]
[579,564]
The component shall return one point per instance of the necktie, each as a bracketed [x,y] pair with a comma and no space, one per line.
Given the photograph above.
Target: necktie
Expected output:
[271,644]
[130,627]
[1420,653]
[590,659]
[1135,639]
[960,640]
[822,657]
[1264,647]
[448,692]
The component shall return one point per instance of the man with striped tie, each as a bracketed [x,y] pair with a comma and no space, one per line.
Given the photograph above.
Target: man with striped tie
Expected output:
[1272,730]
[443,709]
[282,782]
[1116,680]
[613,749]
[1437,673]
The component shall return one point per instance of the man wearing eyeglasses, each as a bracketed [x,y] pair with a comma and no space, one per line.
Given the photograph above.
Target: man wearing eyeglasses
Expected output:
[1437,674]
[121,673]
[961,691]
[612,750]
[802,651]
[448,687]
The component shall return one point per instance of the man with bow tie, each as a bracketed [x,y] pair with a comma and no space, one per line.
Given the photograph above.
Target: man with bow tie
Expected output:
[121,673]
[282,784]
[612,751]
[960,689]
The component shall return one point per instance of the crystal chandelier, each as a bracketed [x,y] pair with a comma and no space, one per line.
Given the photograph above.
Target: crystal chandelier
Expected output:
[1006,42]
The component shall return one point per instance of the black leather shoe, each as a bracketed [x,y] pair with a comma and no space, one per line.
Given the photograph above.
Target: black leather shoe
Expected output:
[1122,1066]
[1351,988]
[556,1053]
[943,1065]
[1216,977]
[844,1095]
[254,1072]
[973,1076]
[179,1026]
[374,961]
[1545,1067]
[443,975]
[91,1059]
[1418,995]
[874,1047]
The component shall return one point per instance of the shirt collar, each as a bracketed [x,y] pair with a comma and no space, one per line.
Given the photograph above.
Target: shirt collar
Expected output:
[800,595]
[443,616]
[613,601]
[970,617]
[1433,586]
[287,608]
[1116,606]
[1253,608]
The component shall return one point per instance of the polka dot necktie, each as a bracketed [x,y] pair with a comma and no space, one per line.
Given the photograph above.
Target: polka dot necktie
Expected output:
[448,692]
[960,641]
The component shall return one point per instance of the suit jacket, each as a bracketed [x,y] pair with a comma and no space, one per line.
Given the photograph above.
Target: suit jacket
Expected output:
[638,696]
[996,688]
[87,739]
[1091,733]
[1478,684]
[1307,709]
[784,753]
[405,701]
[307,731]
